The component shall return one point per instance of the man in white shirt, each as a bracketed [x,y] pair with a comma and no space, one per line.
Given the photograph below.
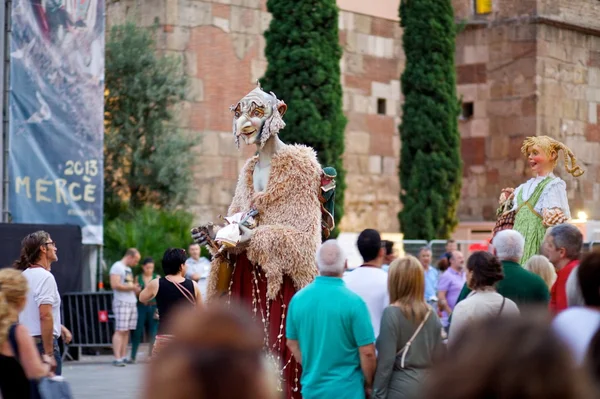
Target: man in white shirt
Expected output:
[41,314]
[369,281]
[124,303]
[577,325]
[197,268]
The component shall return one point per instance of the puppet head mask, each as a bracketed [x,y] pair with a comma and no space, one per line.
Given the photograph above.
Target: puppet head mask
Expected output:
[542,155]
[257,117]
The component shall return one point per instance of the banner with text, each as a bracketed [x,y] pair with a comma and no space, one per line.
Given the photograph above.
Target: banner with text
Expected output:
[57,113]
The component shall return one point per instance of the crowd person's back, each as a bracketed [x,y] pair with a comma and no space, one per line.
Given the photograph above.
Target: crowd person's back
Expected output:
[410,334]
[369,280]
[329,331]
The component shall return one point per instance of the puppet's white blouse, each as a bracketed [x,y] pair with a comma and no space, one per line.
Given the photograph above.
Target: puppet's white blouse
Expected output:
[553,196]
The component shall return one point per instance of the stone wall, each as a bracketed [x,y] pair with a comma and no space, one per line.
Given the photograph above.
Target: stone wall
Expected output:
[568,72]
[530,67]
[221,46]
[371,66]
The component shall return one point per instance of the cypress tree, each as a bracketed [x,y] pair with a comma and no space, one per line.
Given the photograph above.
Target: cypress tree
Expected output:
[303,51]
[430,167]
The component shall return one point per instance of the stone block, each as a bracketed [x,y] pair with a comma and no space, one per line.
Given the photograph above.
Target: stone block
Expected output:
[190,63]
[361,104]
[354,64]
[265,21]
[362,23]
[258,69]
[152,10]
[351,45]
[469,92]
[247,3]
[357,142]
[381,90]
[210,166]
[245,20]
[178,39]
[593,77]
[480,128]
[172,12]
[195,90]
[242,43]
[391,108]
[396,90]
[227,144]
[390,166]
[221,23]
[182,114]
[375,164]
[194,13]
[221,11]
[209,143]
[346,102]
[480,109]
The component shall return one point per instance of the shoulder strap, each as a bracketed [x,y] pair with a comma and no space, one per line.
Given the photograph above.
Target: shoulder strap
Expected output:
[501,306]
[185,292]
[406,346]
[12,338]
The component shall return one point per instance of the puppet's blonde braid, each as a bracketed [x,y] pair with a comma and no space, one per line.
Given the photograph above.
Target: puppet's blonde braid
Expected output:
[575,170]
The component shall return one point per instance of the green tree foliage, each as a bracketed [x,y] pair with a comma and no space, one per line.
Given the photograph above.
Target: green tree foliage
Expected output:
[148,229]
[147,159]
[304,56]
[431,166]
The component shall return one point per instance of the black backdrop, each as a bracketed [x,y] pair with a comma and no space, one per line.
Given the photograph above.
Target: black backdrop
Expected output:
[69,267]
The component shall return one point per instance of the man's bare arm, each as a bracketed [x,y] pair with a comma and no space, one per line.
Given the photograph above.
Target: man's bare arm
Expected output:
[115,284]
[293,345]
[368,363]
[443,303]
[47,328]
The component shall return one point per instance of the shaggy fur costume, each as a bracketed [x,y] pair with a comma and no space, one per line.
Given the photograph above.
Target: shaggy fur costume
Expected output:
[289,218]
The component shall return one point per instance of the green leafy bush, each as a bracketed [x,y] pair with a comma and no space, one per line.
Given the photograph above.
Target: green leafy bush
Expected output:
[148,229]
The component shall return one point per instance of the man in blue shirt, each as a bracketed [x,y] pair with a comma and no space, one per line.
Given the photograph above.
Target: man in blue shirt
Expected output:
[329,332]
[431,275]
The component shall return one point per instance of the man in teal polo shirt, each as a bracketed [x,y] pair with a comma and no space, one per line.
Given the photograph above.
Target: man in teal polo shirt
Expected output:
[520,285]
[329,332]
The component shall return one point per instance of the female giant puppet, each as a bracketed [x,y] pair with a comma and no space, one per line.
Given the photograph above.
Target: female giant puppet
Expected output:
[540,202]
[266,252]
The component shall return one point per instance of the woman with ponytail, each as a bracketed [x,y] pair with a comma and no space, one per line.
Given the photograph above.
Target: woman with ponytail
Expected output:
[17,368]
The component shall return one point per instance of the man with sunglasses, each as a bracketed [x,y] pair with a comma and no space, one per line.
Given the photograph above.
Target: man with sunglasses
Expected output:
[41,314]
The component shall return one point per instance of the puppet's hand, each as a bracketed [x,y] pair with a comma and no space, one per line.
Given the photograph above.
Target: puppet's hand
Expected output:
[506,194]
[553,216]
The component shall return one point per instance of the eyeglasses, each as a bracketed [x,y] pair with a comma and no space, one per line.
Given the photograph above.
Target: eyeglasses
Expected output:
[50,243]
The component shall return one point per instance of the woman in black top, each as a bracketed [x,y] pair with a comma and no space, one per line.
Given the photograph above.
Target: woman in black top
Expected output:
[170,291]
[16,368]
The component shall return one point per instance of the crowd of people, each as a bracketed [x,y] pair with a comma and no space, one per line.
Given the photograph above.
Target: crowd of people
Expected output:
[485,326]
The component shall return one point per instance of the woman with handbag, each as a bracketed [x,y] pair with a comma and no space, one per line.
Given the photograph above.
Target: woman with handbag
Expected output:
[484,270]
[20,360]
[147,313]
[170,292]
[410,334]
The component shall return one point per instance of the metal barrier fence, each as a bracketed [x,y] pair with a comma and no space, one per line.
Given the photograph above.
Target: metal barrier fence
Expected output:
[438,247]
[89,317]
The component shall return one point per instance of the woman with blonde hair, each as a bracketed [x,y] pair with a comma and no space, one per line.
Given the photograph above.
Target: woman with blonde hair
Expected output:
[19,358]
[410,334]
[541,266]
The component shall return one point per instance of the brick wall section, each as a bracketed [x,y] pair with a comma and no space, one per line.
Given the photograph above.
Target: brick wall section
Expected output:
[371,67]
[568,107]
[522,78]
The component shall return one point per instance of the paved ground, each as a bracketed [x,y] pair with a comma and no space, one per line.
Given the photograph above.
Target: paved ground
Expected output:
[94,377]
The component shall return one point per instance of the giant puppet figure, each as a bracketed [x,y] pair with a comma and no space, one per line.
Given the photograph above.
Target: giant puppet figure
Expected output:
[541,202]
[266,251]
